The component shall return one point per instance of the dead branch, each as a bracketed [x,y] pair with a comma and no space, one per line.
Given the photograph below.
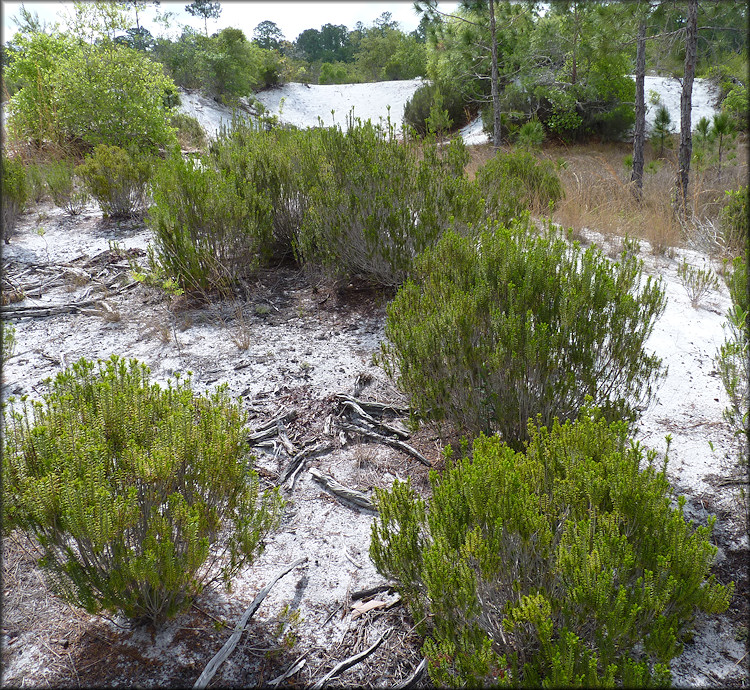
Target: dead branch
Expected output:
[284,438]
[392,442]
[411,680]
[10,312]
[357,409]
[294,668]
[305,453]
[208,673]
[364,593]
[351,495]
[374,407]
[348,663]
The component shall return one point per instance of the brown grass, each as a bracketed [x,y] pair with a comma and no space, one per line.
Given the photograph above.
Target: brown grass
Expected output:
[599,195]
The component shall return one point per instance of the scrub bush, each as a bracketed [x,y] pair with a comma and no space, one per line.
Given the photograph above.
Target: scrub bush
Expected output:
[65,188]
[15,194]
[377,202]
[117,180]
[735,227]
[512,324]
[697,282]
[420,106]
[209,226]
[128,488]
[733,358]
[566,565]
[190,134]
[515,182]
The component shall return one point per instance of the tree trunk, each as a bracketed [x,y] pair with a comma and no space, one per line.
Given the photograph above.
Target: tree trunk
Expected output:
[640,112]
[494,80]
[686,102]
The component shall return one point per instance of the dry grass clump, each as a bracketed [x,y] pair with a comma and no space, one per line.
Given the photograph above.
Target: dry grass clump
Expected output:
[599,195]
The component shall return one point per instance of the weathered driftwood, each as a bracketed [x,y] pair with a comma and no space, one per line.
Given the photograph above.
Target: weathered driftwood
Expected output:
[297,461]
[357,409]
[208,673]
[273,423]
[284,438]
[413,678]
[351,495]
[294,668]
[348,663]
[373,407]
[11,312]
[392,442]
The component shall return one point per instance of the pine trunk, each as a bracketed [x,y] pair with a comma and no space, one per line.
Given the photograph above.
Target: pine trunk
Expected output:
[494,80]
[640,112]
[686,101]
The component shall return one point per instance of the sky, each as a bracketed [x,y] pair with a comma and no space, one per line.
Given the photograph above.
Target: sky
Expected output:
[291,17]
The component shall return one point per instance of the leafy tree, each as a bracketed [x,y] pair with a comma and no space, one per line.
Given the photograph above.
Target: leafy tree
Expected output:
[268,35]
[206,9]
[390,54]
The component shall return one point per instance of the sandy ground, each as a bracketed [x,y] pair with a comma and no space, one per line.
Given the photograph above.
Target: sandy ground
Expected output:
[290,343]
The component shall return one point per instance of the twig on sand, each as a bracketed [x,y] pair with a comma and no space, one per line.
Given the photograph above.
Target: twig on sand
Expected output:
[351,495]
[411,680]
[294,668]
[208,673]
[348,663]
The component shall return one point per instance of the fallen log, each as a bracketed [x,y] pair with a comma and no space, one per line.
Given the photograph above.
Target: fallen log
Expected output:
[348,663]
[351,495]
[392,442]
[374,407]
[208,673]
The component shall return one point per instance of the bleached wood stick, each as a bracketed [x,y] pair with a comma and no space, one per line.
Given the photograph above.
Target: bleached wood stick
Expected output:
[374,407]
[379,425]
[294,668]
[348,663]
[208,673]
[296,462]
[351,495]
[394,443]
[413,677]
[284,438]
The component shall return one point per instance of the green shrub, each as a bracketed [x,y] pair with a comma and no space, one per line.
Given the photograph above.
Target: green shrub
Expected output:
[419,107]
[15,194]
[697,282]
[210,227]
[128,488]
[514,324]
[376,203]
[190,134]
[8,333]
[65,189]
[531,135]
[735,227]
[733,357]
[736,105]
[118,181]
[564,565]
[36,185]
[515,182]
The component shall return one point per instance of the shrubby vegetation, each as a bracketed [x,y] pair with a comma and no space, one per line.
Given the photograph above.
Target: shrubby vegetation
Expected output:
[117,180]
[515,324]
[15,193]
[565,565]
[128,488]
[514,183]
[65,187]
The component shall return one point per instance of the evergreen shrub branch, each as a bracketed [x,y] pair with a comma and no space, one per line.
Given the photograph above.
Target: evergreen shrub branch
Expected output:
[697,282]
[500,328]
[567,564]
[129,487]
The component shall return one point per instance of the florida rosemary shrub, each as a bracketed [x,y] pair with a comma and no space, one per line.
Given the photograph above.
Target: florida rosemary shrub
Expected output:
[513,324]
[735,226]
[514,182]
[210,226]
[65,187]
[14,193]
[733,357]
[117,180]
[564,565]
[377,202]
[129,487]
[279,163]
